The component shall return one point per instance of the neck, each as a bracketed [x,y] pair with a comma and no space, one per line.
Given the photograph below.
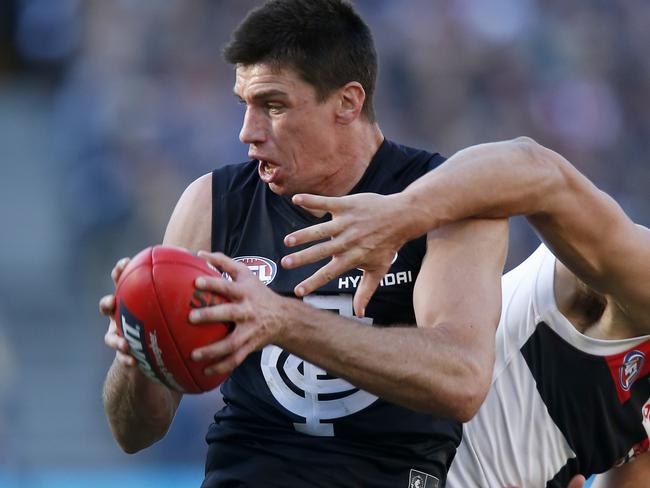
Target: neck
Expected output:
[353,156]
[358,146]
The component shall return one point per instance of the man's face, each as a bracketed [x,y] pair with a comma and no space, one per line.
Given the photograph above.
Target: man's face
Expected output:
[287,129]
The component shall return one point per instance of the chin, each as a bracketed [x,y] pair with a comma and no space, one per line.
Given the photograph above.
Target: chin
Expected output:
[279,189]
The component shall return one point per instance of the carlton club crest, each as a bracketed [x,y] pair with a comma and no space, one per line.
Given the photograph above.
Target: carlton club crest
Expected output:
[630,369]
[308,391]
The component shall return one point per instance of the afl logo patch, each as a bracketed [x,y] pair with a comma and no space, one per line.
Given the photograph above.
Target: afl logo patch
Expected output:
[630,369]
[263,268]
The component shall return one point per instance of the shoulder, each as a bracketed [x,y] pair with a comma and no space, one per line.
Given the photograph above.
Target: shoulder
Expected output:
[190,223]
[395,166]
[414,159]
[235,177]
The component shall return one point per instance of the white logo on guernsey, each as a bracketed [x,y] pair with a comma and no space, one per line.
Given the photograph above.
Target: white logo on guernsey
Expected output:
[389,279]
[418,479]
[263,268]
[307,390]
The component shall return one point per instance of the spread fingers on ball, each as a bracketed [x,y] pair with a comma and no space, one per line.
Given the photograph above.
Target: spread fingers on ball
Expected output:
[112,340]
[116,272]
[107,305]
[228,354]
[219,286]
[225,312]
[125,359]
[223,262]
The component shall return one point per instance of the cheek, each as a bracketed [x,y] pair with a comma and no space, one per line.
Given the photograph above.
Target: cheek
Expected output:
[301,141]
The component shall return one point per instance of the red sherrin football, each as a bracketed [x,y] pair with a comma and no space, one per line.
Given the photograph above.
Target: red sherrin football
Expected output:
[154,297]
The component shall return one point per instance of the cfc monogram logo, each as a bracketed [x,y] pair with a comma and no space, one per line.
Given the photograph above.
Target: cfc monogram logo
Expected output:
[307,390]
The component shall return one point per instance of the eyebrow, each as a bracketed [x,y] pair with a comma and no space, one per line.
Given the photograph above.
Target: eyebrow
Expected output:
[265,95]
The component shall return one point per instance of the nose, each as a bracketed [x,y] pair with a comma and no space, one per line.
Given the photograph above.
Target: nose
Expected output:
[252,129]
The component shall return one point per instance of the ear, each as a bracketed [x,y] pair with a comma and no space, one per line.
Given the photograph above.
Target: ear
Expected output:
[351,98]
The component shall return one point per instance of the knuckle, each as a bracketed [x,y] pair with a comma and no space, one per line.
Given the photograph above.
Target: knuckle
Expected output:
[229,346]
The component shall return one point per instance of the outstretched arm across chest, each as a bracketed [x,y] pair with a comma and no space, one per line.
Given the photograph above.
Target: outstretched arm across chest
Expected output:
[585,228]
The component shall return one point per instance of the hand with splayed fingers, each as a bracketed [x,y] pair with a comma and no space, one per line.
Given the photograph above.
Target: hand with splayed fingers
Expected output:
[365,232]
[107,308]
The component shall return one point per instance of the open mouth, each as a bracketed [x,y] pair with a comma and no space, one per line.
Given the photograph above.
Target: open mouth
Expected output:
[268,171]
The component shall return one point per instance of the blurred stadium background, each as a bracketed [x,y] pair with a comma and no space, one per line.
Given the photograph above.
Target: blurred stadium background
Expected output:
[109,108]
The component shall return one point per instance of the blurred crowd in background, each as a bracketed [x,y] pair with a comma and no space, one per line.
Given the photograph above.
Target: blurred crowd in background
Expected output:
[109,108]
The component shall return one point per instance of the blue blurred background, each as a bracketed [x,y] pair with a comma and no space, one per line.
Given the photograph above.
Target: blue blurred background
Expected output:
[109,108]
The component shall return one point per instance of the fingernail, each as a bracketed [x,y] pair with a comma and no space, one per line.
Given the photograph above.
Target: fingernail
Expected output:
[291,241]
[195,315]
[196,355]
[208,371]
[200,282]
[287,261]
[300,291]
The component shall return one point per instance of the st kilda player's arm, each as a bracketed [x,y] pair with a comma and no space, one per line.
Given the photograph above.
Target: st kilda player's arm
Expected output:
[139,410]
[442,366]
[584,227]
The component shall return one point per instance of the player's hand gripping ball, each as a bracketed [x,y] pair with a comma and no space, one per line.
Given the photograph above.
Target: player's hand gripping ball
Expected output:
[153,298]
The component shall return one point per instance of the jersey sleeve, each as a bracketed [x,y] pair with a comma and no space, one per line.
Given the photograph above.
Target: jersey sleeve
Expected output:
[519,308]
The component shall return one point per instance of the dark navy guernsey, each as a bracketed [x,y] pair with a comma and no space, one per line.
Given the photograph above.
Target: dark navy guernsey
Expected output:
[287,423]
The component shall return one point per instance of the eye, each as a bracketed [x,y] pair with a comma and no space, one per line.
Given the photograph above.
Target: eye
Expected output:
[274,108]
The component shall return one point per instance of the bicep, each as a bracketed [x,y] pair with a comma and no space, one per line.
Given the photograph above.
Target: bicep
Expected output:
[190,225]
[460,279]
[590,233]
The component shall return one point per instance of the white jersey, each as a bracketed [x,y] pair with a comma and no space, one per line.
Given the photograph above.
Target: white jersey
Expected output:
[561,403]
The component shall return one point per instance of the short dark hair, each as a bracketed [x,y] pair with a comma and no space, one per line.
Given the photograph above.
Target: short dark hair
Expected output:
[325,41]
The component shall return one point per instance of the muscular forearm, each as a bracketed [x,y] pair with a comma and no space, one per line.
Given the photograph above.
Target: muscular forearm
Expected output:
[500,179]
[138,410]
[521,177]
[420,368]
